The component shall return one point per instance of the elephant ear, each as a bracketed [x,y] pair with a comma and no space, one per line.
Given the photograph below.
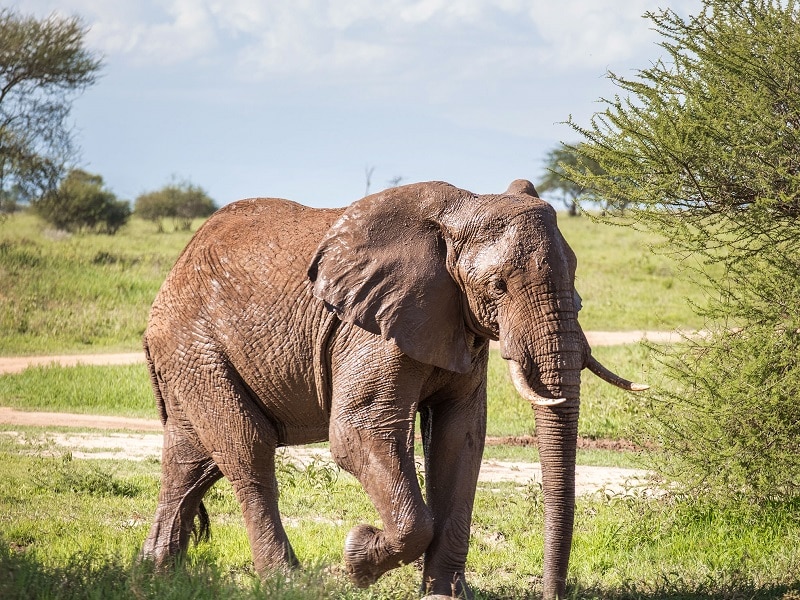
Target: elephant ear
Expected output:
[382,266]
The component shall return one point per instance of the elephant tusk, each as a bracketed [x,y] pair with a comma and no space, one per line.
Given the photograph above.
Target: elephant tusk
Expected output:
[610,377]
[526,391]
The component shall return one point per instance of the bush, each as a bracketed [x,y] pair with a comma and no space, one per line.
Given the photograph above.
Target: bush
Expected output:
[181,202]
[705,149]
[82,203]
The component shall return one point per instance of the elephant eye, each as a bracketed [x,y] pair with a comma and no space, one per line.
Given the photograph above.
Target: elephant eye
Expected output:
[498,287]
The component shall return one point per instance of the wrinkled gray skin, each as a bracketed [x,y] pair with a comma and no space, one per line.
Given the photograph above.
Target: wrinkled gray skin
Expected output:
[282,324]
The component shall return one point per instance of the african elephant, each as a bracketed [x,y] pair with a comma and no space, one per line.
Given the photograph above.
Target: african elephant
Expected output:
[282,324]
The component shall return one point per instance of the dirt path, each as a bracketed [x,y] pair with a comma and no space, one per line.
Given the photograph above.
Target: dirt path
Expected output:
[144,446]
[141,439]
[16,364]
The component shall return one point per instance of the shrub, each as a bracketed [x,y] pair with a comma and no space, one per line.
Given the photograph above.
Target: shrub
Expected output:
[82,203]
[181,202]
[705,149]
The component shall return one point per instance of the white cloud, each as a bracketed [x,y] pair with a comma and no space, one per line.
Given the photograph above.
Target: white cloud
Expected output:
[319,35]
[443,46]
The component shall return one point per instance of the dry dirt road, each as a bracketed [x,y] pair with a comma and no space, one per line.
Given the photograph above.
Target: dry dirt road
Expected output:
[139,445]
[139,439]
[16,364]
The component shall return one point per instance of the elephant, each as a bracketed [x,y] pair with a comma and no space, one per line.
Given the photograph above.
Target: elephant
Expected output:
[282,324]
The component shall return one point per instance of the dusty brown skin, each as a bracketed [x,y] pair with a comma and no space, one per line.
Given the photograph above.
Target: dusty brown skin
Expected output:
[282,324]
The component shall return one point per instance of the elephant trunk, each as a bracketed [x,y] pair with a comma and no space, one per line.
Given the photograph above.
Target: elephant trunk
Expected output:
[557,433]
[551,382]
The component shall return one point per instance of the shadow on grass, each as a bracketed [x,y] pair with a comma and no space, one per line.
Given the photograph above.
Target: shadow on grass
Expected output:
[671,588]
[90,576]
[85,576]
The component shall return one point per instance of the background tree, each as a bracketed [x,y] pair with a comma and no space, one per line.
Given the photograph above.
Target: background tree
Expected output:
[82,203]
[568,190]
[368,171]
[12,199]
[395,181]
[706,146]
[43,63]
[182,202]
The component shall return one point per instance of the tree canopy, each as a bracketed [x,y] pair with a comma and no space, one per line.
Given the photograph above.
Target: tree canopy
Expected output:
[43,63]
[82,203]
[182,202]
[556,180]
[705,145]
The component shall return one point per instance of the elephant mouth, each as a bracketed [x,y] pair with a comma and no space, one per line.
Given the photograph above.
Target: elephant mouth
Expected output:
[525,390]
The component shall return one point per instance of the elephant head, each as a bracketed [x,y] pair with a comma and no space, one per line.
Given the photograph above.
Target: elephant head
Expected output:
[438,271]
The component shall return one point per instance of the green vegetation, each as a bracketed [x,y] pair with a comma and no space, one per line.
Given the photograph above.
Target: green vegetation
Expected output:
[556,183]
[704,145]
[71,529]
[119,390]
[82,203]
[625,284]
[182,202]
[78,293]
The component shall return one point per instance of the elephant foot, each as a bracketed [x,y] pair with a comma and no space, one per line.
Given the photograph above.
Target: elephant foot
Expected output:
[364,553]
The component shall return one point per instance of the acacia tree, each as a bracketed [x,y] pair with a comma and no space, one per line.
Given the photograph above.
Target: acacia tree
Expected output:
[705,144]
[43,63]
[570,191]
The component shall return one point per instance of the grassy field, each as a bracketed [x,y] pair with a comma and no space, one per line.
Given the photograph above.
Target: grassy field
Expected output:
[89,293]
[71,528]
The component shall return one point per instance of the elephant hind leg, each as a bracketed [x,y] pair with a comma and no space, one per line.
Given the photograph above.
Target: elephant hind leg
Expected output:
[187,474]
[242,442]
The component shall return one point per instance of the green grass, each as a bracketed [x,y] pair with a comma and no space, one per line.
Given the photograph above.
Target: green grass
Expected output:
[78,293]
[87,293]
[607,412]
[114,390]
[71,529]
[624,284]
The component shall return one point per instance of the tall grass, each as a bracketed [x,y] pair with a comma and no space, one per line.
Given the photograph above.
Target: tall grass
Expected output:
[87,293]
[81,292]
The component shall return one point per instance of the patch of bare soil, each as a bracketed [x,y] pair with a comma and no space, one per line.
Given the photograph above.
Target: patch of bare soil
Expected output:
[142,443]
[144,446]
[10,416]
[584,443]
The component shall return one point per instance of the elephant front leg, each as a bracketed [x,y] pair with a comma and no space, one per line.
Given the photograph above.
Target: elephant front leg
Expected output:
[379,452]
[453,438]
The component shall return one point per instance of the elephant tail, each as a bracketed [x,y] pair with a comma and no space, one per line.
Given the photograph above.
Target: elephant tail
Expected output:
[201,528]
[154,382]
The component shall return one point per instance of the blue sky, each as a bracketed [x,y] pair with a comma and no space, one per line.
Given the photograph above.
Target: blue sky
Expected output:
[298,98]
